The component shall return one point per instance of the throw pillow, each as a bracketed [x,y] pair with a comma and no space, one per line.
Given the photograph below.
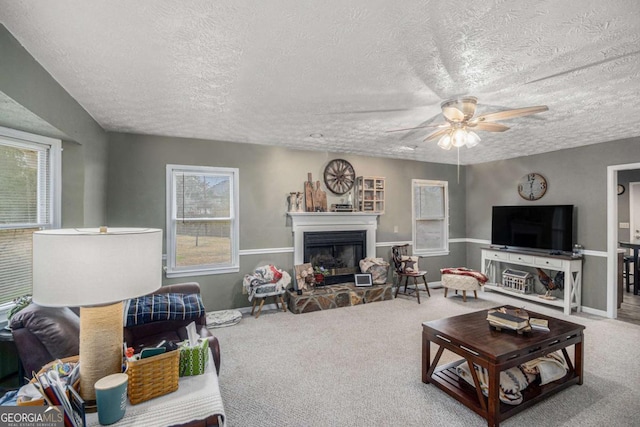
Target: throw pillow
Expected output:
[409,263]
[151,308]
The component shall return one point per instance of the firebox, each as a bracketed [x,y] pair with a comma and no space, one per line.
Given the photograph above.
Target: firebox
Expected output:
[338,251]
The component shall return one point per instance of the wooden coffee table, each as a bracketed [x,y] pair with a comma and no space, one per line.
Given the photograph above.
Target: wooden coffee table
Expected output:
[471,337]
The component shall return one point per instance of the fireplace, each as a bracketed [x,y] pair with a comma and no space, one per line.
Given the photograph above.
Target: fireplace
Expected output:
[338,251]
[348,237]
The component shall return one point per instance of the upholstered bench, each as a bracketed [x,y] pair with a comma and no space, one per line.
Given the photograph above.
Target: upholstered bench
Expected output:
[462,279]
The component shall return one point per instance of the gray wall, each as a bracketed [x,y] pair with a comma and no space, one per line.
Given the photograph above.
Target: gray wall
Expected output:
[84,158]
[136,197]
[576,176]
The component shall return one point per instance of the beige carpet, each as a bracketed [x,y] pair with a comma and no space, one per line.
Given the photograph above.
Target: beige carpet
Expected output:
[360,366]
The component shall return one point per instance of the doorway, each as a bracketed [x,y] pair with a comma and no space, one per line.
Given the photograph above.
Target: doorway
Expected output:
[612,235]
[629,216]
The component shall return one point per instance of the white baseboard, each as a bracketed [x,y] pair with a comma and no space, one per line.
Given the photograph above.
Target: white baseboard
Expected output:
[247,310]
[594,311]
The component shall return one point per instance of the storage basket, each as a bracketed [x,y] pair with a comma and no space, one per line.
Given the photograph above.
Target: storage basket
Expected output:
[39,402]
[517,281]
[152,376]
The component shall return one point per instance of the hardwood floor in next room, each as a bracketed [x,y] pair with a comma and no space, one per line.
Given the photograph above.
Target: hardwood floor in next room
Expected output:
[629,311]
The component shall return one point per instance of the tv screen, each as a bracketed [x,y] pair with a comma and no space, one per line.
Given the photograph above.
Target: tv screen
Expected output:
[535,227]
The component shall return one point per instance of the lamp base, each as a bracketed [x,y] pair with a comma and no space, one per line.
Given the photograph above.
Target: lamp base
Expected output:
[100,346]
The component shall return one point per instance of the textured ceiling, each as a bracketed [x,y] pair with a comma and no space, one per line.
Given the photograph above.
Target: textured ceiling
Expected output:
[276,72]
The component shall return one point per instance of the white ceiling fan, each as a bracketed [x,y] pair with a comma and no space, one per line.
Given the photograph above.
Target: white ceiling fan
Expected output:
[460,126]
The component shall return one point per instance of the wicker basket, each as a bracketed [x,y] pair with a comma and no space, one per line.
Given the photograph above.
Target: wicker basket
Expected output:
[153,376]
[39,402]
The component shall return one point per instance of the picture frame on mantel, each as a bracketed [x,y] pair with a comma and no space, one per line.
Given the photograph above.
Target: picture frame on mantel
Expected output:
[363,279]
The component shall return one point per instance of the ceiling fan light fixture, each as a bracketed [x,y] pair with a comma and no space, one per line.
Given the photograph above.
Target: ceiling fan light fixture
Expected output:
[459,138]
[459,109]
[445,142]
[472,139]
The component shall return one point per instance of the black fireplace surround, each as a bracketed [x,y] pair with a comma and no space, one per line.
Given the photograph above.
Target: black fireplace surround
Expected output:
[338,251]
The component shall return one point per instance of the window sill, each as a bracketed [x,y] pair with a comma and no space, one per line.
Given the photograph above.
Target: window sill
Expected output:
[425,254]
[207,272]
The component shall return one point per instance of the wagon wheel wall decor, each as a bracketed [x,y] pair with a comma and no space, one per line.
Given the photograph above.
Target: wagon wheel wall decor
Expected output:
[339,176]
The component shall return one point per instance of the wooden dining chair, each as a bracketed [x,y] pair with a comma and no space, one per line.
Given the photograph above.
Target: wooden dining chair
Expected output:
[406,267]
[628,262]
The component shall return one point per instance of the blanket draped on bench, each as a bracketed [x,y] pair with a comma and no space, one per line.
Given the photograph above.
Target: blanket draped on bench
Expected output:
[462,271]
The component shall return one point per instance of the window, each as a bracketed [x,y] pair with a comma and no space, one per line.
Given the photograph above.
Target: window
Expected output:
[202,220]
[29,201]
[430,203]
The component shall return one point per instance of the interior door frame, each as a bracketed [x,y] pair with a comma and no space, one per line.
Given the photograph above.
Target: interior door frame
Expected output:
[612,235]
[633,192]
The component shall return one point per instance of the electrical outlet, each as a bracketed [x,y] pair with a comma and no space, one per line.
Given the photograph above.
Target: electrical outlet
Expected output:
[624,225]
[395,228]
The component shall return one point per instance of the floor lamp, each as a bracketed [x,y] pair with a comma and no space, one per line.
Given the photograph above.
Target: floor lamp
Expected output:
[96,269]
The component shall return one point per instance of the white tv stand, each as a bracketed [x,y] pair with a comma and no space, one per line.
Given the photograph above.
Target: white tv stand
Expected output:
[493,258]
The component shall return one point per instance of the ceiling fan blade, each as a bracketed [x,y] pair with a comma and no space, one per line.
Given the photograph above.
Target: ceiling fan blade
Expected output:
[418,127]
[488,126]
[438,133]
[453,114]
[388,110]
[509,114]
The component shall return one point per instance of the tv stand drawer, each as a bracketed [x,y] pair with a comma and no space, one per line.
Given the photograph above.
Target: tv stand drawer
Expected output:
[497,255]
[548,262]
[521,258]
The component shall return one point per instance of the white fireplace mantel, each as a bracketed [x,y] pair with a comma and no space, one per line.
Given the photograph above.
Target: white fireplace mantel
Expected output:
[303,222]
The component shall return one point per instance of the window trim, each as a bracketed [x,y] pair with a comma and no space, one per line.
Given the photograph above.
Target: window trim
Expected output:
[171,271]
[29,140]
[444,250]
[21,139]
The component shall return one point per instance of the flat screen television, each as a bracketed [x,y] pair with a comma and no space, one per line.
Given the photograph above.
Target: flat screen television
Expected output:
[548,228]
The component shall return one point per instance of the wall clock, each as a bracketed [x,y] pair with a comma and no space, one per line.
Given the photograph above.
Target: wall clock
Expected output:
[339,176]
[620,189]
[532,186]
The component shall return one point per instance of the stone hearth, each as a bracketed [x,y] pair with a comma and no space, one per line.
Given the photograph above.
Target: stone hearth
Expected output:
[335,296]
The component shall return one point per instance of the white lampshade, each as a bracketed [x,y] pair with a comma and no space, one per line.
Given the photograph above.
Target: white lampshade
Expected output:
[84,267]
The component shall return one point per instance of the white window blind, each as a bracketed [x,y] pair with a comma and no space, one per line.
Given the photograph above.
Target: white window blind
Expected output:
[29,178]
[202,220]
[430,200]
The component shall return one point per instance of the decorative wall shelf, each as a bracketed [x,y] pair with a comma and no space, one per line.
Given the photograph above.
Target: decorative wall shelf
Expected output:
[370,194]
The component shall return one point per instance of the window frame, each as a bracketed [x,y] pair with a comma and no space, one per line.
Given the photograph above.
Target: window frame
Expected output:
[444,249]
[172,220]
[25,140]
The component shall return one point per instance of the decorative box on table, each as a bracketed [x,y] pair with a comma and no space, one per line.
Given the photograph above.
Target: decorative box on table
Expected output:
[193,360]
[517,281]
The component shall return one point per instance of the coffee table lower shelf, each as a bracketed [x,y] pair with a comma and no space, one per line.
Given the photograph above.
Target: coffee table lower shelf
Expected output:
[446,378]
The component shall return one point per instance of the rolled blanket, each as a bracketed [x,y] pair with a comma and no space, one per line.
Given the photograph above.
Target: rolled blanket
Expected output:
[512,382]
[463,271]
[551,367]
[367,263]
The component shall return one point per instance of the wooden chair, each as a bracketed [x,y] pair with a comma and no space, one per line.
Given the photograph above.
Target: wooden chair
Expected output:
[628,261]
[406,267]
